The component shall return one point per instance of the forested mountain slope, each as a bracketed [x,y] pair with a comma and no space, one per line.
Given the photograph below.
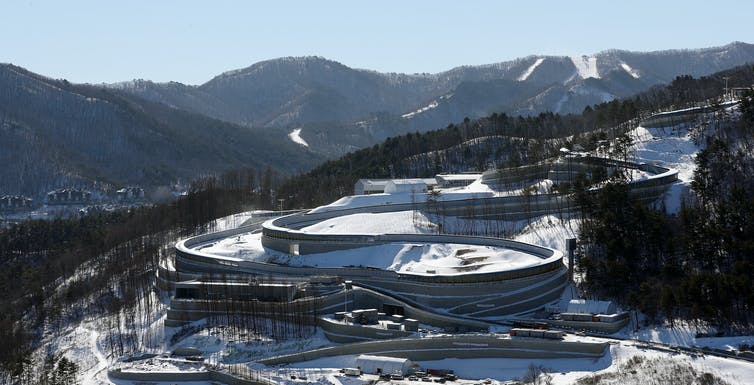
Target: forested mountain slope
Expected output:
[502,140]
[58,134]
[61,273]
[341,108]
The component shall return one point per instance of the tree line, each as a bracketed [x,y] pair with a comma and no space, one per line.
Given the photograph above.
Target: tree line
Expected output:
[121,249]
[518,140]
[698,264]
[103,266]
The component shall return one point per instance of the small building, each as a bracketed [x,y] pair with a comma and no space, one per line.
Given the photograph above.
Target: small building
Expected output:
[379,186]
[584,306]
[411,325]
[410,185]
[370,186]
[15,203]
[456,180]
[365,316]
[383,365]
[69,196]
[739,92]
[130,194]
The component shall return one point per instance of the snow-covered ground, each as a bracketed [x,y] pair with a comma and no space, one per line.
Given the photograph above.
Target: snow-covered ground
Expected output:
[84,344]
[549,231]
[531,69]
[400,222]
[413,258]
[672,148]
[232,221]
[563,371]
[686,334]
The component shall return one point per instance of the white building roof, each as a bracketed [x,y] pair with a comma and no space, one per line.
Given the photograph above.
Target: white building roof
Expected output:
[373,182]
[414,181]
[387,365]
[584,306]
[471,177]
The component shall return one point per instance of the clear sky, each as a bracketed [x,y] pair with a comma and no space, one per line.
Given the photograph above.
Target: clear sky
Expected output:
[190,41]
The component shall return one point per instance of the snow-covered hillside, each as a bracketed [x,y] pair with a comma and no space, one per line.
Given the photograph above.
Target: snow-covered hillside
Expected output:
[628,361]
[586,66]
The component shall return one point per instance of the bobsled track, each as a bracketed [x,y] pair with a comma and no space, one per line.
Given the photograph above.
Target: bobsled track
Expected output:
[464,299]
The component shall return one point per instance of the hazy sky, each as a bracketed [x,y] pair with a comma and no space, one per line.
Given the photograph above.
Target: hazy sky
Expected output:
[190,41]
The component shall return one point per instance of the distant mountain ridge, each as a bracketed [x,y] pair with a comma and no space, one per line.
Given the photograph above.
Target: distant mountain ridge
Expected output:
[369,106]
[55,134]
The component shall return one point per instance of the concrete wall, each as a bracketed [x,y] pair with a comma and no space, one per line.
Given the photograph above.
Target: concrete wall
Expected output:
[346,333]
[419,290]
[487,298]
[459,346]
[601,327]
[159,376]
[367,298]
[209,375]
[183,311]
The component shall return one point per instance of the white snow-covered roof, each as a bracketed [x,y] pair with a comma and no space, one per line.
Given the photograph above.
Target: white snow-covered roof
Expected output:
[409,185]
[584,306]
[388,365]
[459,176]
[373,182]
[414,181]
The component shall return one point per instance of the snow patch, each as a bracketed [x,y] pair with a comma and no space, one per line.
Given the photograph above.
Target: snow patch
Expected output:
[531,69]
[426,108]
[549,231]
[295,136]
[586,66]
[630,70]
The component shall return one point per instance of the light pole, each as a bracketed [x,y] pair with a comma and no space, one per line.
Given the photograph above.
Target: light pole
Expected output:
[346,285]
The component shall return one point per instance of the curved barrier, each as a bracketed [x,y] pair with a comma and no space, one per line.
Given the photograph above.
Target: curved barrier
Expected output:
[343,333]
[283,234]
[181,376]
[484,295]
[684,116]
[458,346]
[184,311]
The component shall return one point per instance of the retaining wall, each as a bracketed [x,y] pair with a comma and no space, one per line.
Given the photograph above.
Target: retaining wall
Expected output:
[460,346]
[209,375]
[345,333]
[183,311]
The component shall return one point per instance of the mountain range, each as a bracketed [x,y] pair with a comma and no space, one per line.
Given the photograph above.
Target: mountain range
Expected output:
[291,113]
[341,108]
[55,134]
